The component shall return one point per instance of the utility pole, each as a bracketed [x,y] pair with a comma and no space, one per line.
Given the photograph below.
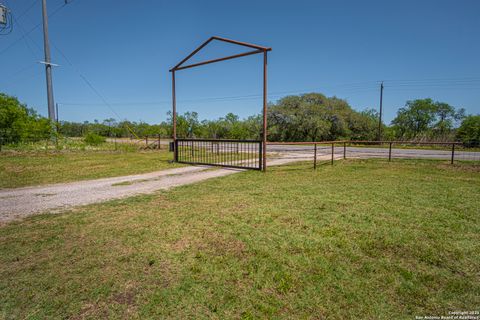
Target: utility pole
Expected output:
[48,64]
[380,115]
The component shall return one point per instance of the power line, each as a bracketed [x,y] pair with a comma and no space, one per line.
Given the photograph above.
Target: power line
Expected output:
[26,36]
[432,79]
[408,89]
[90,85]
[20,71]
[28,9]
[227,98]
[31,30]
[351,90]
[435,85]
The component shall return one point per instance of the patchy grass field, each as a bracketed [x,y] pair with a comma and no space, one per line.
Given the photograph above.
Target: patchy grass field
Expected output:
[21,169]
[357,240]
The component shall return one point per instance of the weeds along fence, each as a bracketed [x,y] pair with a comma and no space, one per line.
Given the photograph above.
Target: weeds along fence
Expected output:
[152,142]
[326,152]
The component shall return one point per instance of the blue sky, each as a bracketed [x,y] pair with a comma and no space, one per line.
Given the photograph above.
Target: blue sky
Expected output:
[124,49]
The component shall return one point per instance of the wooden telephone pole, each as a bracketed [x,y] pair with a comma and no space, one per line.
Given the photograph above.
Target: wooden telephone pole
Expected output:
[380,115]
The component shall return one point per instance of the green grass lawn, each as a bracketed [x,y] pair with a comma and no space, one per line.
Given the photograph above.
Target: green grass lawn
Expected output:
[363,239]
[21,169]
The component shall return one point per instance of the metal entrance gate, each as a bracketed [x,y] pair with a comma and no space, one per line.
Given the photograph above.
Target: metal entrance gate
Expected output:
[243,154]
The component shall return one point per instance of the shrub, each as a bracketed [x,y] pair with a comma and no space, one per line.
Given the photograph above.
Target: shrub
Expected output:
[20,124]
[94,139]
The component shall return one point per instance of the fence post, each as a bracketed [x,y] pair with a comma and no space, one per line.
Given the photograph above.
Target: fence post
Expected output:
[315,157]
[390,152]
[453,153]
[159,145]
[344,150]
[146,141]
[333,150]
[260,156]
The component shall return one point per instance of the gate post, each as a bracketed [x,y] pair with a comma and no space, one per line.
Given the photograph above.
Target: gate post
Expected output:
[175,150]
[264,151]
[315,156]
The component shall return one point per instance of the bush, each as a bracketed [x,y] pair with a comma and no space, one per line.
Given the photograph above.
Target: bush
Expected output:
[469,131]
[94,139]
[19,124]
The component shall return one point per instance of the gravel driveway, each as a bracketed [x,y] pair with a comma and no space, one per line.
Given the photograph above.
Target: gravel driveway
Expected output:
[21,202]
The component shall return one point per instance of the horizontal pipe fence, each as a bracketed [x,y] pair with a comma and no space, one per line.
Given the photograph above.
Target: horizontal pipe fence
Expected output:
[325,152]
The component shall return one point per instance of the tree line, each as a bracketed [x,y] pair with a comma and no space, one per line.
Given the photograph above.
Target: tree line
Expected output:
[307,117]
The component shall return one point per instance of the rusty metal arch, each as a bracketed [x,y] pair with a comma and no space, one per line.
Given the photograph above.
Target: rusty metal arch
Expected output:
[258,49]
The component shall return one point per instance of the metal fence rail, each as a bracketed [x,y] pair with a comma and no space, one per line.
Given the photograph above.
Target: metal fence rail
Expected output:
[150,141]
[327,151]
[243,154]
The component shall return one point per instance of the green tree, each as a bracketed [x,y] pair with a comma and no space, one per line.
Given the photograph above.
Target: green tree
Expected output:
[364,125]
[425,118]
[469,131]
[188,124]
[446,117]
[314,117]
[416,117]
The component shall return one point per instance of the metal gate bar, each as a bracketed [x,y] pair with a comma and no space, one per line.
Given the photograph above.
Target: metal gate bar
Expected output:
[242,154]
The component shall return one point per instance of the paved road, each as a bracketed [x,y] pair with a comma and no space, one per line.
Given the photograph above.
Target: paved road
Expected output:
[369,152]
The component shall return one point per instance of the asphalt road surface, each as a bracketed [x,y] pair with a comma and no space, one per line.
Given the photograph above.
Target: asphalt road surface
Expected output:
[370,152]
